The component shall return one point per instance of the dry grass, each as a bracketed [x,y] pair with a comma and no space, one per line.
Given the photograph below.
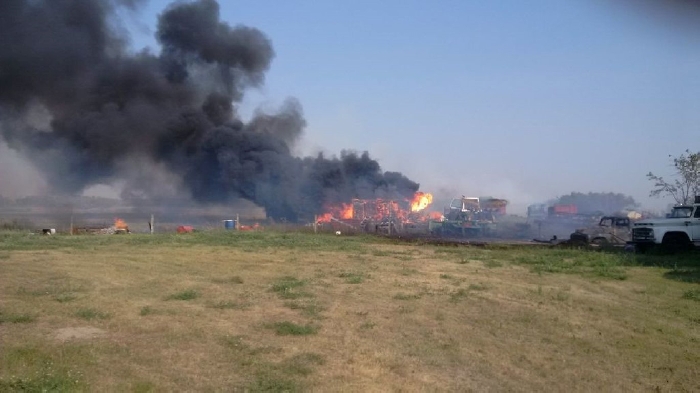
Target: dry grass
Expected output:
[285,312]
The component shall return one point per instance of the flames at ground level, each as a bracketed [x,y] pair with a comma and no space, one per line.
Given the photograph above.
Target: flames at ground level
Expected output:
[383,209]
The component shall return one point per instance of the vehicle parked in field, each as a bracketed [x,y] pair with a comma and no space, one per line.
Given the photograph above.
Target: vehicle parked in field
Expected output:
[611,230]
[680,229]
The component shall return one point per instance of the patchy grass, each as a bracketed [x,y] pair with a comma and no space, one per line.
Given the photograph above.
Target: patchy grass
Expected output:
[352,278]
[368,325]
[310,309]
[290,288]
[231,305]
[16,318]
[189,294]
[588,263]
[287,328]
[518,318]
[147,310]
[693,294]
[91,313]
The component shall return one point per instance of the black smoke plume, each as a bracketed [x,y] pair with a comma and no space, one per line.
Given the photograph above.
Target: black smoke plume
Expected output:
[84,108]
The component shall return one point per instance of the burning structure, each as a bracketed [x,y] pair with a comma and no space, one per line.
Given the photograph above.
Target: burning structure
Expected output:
[381,215]
[88,110]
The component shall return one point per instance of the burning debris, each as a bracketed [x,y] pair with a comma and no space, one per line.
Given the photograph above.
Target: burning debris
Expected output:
[381,215]
[118,228]
[86,108]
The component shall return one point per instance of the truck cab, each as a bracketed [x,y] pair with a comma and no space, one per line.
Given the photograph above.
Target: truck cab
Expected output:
[679,230]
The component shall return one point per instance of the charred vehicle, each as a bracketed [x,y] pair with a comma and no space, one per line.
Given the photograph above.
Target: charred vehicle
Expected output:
[611,230]
[464,217]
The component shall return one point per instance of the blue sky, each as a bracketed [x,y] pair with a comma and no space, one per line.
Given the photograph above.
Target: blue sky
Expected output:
[520,100]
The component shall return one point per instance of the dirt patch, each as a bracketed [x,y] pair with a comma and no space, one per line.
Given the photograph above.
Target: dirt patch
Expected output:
[78,333]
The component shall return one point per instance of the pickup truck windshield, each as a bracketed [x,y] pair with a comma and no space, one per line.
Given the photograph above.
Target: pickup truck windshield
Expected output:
[681,212]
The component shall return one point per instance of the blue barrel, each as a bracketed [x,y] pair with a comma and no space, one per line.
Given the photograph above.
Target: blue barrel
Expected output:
[229,224]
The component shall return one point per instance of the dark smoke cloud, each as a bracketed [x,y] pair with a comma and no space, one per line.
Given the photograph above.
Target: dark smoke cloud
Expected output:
[111,112]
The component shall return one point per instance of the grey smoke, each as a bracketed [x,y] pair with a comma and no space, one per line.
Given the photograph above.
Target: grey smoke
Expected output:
[111,112]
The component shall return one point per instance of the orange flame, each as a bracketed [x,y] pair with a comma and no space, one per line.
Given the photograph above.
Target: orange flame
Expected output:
[344,212]
[120,224]
[436,216]
[421,200]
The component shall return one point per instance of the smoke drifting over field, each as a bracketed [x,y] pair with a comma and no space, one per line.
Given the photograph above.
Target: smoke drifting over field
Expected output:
[87,111]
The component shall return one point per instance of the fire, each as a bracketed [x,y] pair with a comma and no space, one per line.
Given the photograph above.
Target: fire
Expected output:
[421,200]
[435,216]
[407,210]
[342,212]
[120,224]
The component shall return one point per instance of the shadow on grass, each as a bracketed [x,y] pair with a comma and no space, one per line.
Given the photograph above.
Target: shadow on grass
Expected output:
[684,266]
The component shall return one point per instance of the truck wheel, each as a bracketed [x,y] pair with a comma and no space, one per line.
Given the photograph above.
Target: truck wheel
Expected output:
[600,241]
[675,242]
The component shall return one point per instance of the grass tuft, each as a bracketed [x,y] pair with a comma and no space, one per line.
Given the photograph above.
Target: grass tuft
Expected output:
[310,309]
[693,294]
[287,328]
[189,294]
[352,278]
[147,310]
[290,288]
[368,326]
[16,318]
[91,313]
[43,382]
[230,305]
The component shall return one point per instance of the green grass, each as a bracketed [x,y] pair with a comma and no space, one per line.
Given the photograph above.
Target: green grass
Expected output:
[16,318]
[693,294]
[287,328]
[591,263]
[411,325]
[352,278]
[90,314]
[189,294]
[310,309]
[367,325]
[147,310]
[231,305]
[289,287]
[251,241]
[36,368]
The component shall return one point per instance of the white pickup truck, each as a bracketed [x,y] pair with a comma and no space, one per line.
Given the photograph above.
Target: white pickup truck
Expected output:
[678,231]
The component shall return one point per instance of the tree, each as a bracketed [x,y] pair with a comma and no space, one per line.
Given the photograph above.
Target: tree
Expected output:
[686,184]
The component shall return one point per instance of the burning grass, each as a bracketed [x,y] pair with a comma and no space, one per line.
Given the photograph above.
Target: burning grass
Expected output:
[294,311]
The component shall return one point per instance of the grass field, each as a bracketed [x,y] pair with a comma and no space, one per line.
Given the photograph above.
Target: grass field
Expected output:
[275,311]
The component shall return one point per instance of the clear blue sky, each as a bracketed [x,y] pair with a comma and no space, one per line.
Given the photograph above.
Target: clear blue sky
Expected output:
[524,100]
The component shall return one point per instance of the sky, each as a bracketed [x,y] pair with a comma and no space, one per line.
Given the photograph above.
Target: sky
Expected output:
[525,101]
